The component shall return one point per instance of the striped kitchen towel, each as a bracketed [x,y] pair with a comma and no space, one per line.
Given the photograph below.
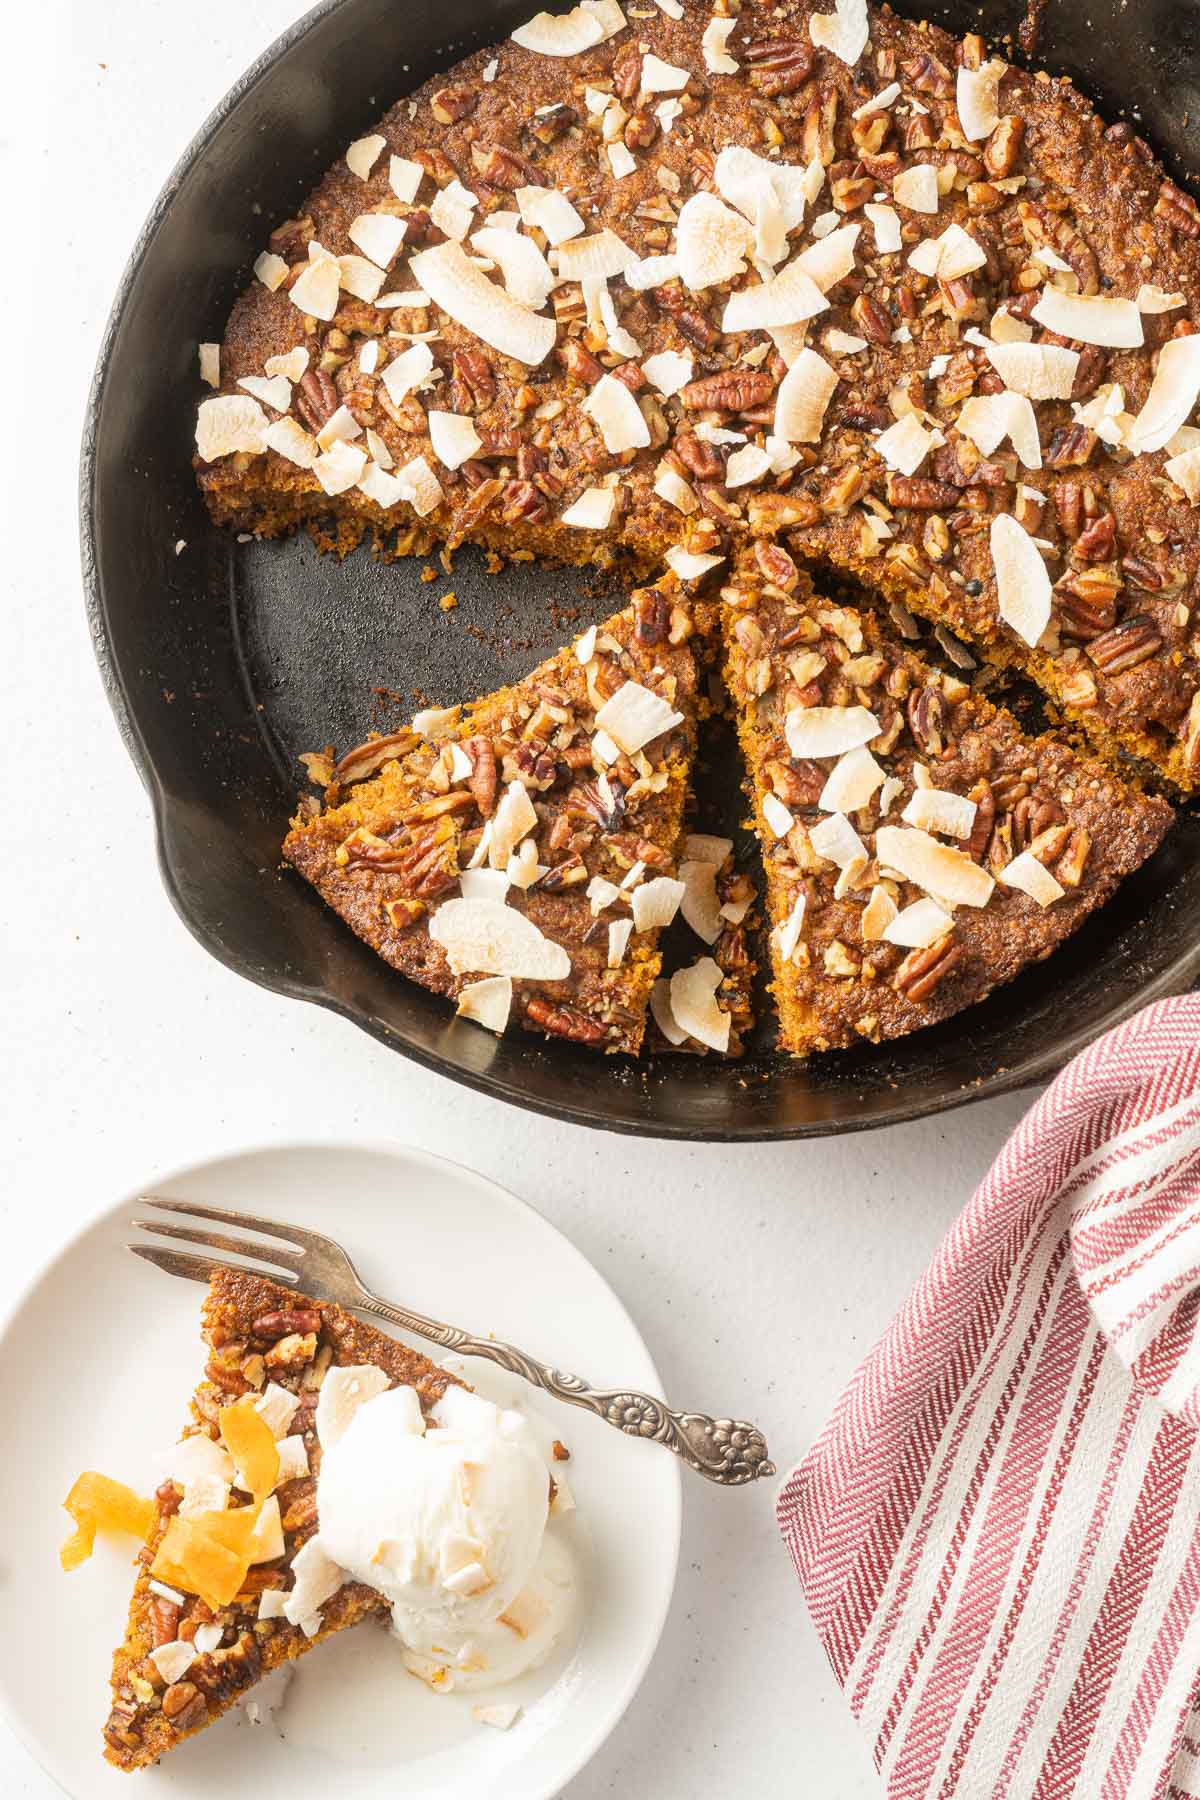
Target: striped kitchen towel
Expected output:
[998,1533]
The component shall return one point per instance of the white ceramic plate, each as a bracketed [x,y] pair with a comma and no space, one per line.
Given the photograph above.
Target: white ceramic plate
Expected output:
[101,1356]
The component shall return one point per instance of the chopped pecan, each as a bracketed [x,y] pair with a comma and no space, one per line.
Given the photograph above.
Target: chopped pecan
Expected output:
[627,71]
[1073,860]
[164,1620]
[641,129]
[571,872]
[1058,231]
[984,820]
[924,970]
[293,1351]
[1089,371]
[1071,447]
[928,75]
[501,167]
[403,914]
[1097,542]
[799,782]
[776,566]
[548,127]
[820,120]
[1178,209]
[315,399]
[929,719]
[1142,574]
[563,1021]
[1131,642]
[473,385]
[184,1705]
[274,1325]
[921,494]
[484,778]
[451,104]
[872,318]
[703,459]
[1031,816]
[1003,147]
[732,391]
[367,759]
[778,65]
[651,616]
[579,362]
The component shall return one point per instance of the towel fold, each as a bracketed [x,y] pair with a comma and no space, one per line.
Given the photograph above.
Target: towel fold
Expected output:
[998,1533]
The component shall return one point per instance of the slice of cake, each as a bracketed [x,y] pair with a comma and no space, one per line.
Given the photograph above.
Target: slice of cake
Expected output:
[920,849]
[520,854]
[226,1591]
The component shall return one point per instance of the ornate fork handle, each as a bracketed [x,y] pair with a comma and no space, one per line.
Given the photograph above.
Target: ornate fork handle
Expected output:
[730,1452]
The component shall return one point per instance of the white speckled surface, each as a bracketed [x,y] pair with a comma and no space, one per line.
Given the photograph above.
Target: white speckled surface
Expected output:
[758,1276]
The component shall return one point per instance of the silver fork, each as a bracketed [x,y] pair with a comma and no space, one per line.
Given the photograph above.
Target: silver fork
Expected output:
[730,1452]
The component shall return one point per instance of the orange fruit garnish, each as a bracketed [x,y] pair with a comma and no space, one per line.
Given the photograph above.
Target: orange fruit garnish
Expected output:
[191,1558]
[97,1503]
[251,1443]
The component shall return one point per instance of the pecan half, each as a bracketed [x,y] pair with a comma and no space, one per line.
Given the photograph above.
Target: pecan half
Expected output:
[315,399]
[1178,209]
[484,778]
[924,970]
[778,65]
[278,1324]
[732,391]
[1131,642]
[563,1021]
[367,759]
[1003,146]
[929,719]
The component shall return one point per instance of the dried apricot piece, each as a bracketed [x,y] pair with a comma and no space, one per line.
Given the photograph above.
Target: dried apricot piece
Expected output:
[251,1443]
[97,1503]
[190,1558]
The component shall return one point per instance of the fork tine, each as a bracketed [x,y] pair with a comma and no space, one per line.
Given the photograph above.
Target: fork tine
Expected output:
[218,1240]
[192,1268]
[220,1215]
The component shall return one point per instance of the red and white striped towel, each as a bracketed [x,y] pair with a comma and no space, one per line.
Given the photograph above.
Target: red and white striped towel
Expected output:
[998,1533]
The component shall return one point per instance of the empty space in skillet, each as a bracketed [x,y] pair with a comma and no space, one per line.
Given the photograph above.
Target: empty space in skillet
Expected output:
[226,661]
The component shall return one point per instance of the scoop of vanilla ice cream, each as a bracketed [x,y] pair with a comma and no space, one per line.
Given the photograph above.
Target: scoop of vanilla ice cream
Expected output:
[446,1523]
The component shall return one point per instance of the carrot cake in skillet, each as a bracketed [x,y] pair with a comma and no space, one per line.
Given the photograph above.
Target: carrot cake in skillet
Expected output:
[645,286]
[523,853]
[920,849]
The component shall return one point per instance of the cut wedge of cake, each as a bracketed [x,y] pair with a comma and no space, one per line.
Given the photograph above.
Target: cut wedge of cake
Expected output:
[654,285]
[920,849]
[207,1618]
[520,854]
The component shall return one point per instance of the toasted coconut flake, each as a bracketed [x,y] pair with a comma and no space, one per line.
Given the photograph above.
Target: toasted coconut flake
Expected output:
[513,819]
[545,209]
[363,154]
[803,395]
[691,565]
[407,371]
[405,177]
[750,463]
[488,1002]
[341,428]
[528,277]
[486,937]
[656,902]
[621,160]
[599,256]
[832,258]
[619,933]
[173,1660]
[712,242]
[651,271]
[844,32]
[1007,330]
[385,489]
[316,291]
[714,44]
[989,418]
[463,291]
[483,884]
[670,486]
[635,715]
[742,178]
[905,445]
[918,926]
[1117,324]
[271,270]
[1184,471]
[836,840]
[936,809]
[878,914]
[779,820]
[423,490]
[917,189]
[694,1004]
[1172,397]
[1040,371]
[953,254]
[853,782]
[664,1018]
[1032,877]
[592,511]
[787,935]
[379,236]
[789,298]
[452,210]
[601,893]
[290,440]
[945,873]
[701,905]
[878,102]
[668,371]
[1152,299]
[886,223]
[700,846]
[659,77]
[275,392]
[340,467]
[229,423]
[818,731]
[210,365]
[1023,592]
[617,413]
[842,343]
[379,450]
[561,34]
[977,98]
[454,438]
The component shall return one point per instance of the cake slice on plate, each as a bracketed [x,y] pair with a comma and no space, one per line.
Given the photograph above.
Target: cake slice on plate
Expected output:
[228,1587]
[519,854]
[920,849]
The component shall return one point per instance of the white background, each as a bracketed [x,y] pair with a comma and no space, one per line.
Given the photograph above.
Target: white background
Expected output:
[759,1277]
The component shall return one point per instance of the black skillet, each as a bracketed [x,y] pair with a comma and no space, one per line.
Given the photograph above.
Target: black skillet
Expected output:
[226,660]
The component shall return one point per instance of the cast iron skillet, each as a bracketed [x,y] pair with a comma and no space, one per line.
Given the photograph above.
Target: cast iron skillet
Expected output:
[225,661]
